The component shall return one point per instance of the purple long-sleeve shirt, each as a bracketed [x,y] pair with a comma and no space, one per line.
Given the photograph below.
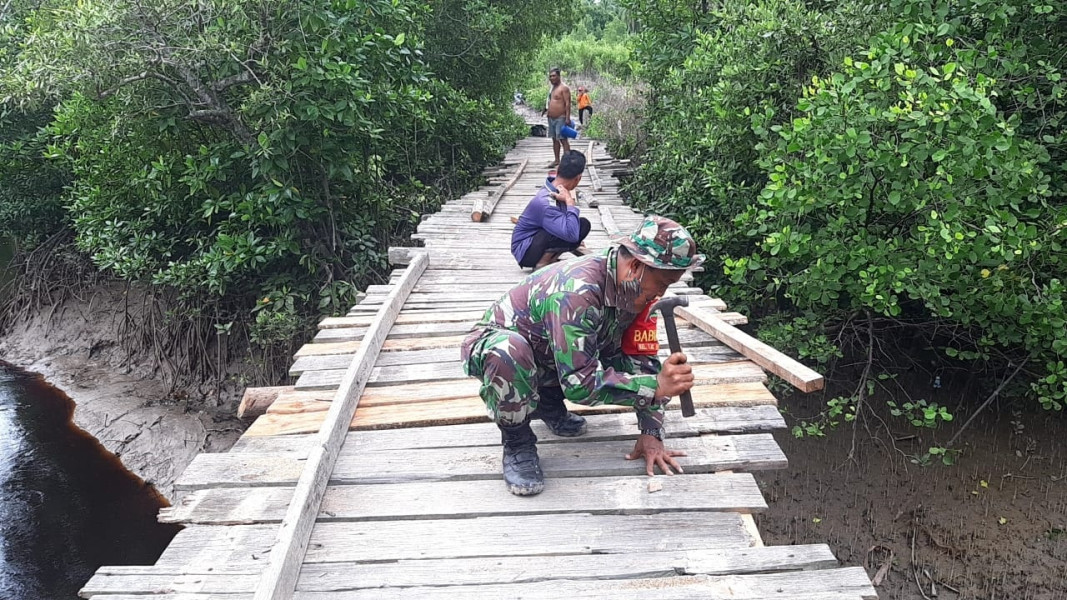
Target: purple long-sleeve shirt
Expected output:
[545,213]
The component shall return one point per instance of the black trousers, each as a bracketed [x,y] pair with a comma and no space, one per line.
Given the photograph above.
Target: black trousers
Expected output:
[544,241]
[581,114]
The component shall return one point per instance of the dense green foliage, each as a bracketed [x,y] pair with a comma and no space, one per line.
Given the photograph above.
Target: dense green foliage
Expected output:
[887,173]
[31,192]
[259,155]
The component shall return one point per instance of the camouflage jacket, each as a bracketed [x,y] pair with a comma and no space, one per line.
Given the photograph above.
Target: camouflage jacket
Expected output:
[570,315]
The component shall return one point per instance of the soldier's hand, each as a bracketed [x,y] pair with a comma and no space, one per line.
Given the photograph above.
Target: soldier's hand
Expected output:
[655,454]
[675,377]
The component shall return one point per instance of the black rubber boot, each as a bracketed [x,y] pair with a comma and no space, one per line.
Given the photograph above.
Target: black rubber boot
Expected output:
[551,410]
[522,467]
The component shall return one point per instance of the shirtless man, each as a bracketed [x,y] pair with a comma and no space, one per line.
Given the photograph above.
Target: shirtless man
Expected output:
[559,112]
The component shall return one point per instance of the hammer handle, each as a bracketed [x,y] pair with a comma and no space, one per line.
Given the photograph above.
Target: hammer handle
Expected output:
[686,397]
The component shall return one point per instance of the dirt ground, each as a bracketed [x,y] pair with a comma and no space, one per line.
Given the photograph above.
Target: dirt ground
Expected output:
[993,526]
[153,430]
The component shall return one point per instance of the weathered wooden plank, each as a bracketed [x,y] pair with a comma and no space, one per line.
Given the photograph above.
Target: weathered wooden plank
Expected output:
[441,259]
[362,320]
[325,380]
[415,330]
[798,375]
[390,345]
[365,464]
[832,584]
[246,546]
[335,577]
[734,492]
[279,579]
[829,584]
[387,359]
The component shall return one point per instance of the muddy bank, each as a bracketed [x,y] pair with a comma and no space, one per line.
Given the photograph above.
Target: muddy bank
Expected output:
[153,430]
[994,525]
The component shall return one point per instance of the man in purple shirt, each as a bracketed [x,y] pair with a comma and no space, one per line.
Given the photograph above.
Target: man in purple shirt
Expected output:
[550,225]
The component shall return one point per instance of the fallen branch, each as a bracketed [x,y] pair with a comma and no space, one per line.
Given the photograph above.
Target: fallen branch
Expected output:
[988,400]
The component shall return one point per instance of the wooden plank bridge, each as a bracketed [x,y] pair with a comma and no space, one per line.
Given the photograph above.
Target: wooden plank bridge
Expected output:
[377,475]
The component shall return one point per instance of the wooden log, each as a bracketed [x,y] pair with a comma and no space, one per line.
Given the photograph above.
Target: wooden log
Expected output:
[279,579]
[800,376]
[482,210]
[608,221]
[593,177]
[256,400]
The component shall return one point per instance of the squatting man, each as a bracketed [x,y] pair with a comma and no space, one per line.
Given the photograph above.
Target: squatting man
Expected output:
[559,335]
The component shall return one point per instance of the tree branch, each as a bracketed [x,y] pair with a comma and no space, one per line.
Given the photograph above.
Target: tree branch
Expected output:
[228,82]
[992,396]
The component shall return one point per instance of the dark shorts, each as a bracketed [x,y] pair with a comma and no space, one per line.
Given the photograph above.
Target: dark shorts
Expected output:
[544,241]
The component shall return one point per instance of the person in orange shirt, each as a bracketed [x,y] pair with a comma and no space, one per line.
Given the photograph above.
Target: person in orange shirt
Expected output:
[584,104]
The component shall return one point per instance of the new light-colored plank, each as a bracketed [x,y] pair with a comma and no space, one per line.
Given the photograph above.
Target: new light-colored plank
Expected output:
[279,578]
[256,400]
[704,374]
[601,426]
[800,376]
[402,410]
[695,355]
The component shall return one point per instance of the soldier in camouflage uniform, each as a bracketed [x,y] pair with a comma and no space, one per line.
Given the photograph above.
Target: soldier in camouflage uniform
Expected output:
[558,335]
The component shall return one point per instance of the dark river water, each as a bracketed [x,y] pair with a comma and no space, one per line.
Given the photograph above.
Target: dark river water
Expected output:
[67,506]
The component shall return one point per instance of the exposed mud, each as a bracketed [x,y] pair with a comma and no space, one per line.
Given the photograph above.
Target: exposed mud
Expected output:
[153,430]
[993,526]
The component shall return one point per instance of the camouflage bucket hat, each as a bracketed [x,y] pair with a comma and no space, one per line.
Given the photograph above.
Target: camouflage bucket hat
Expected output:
[663,244]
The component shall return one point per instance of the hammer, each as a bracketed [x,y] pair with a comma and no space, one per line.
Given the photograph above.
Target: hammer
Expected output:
[666,308]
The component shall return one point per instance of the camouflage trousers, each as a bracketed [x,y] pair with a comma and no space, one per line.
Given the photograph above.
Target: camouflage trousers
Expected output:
[512,382]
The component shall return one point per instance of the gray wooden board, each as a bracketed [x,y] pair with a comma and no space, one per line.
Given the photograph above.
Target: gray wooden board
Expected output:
[245,546]
[617,426]
[333,595]
[828,584]
[414,330]
[696,355]
[448,276]
[849,582]
[359,463]
[325,380]
[336,577]
[735,492]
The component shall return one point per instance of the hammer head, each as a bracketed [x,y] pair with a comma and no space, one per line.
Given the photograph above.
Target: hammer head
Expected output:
[667,304]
